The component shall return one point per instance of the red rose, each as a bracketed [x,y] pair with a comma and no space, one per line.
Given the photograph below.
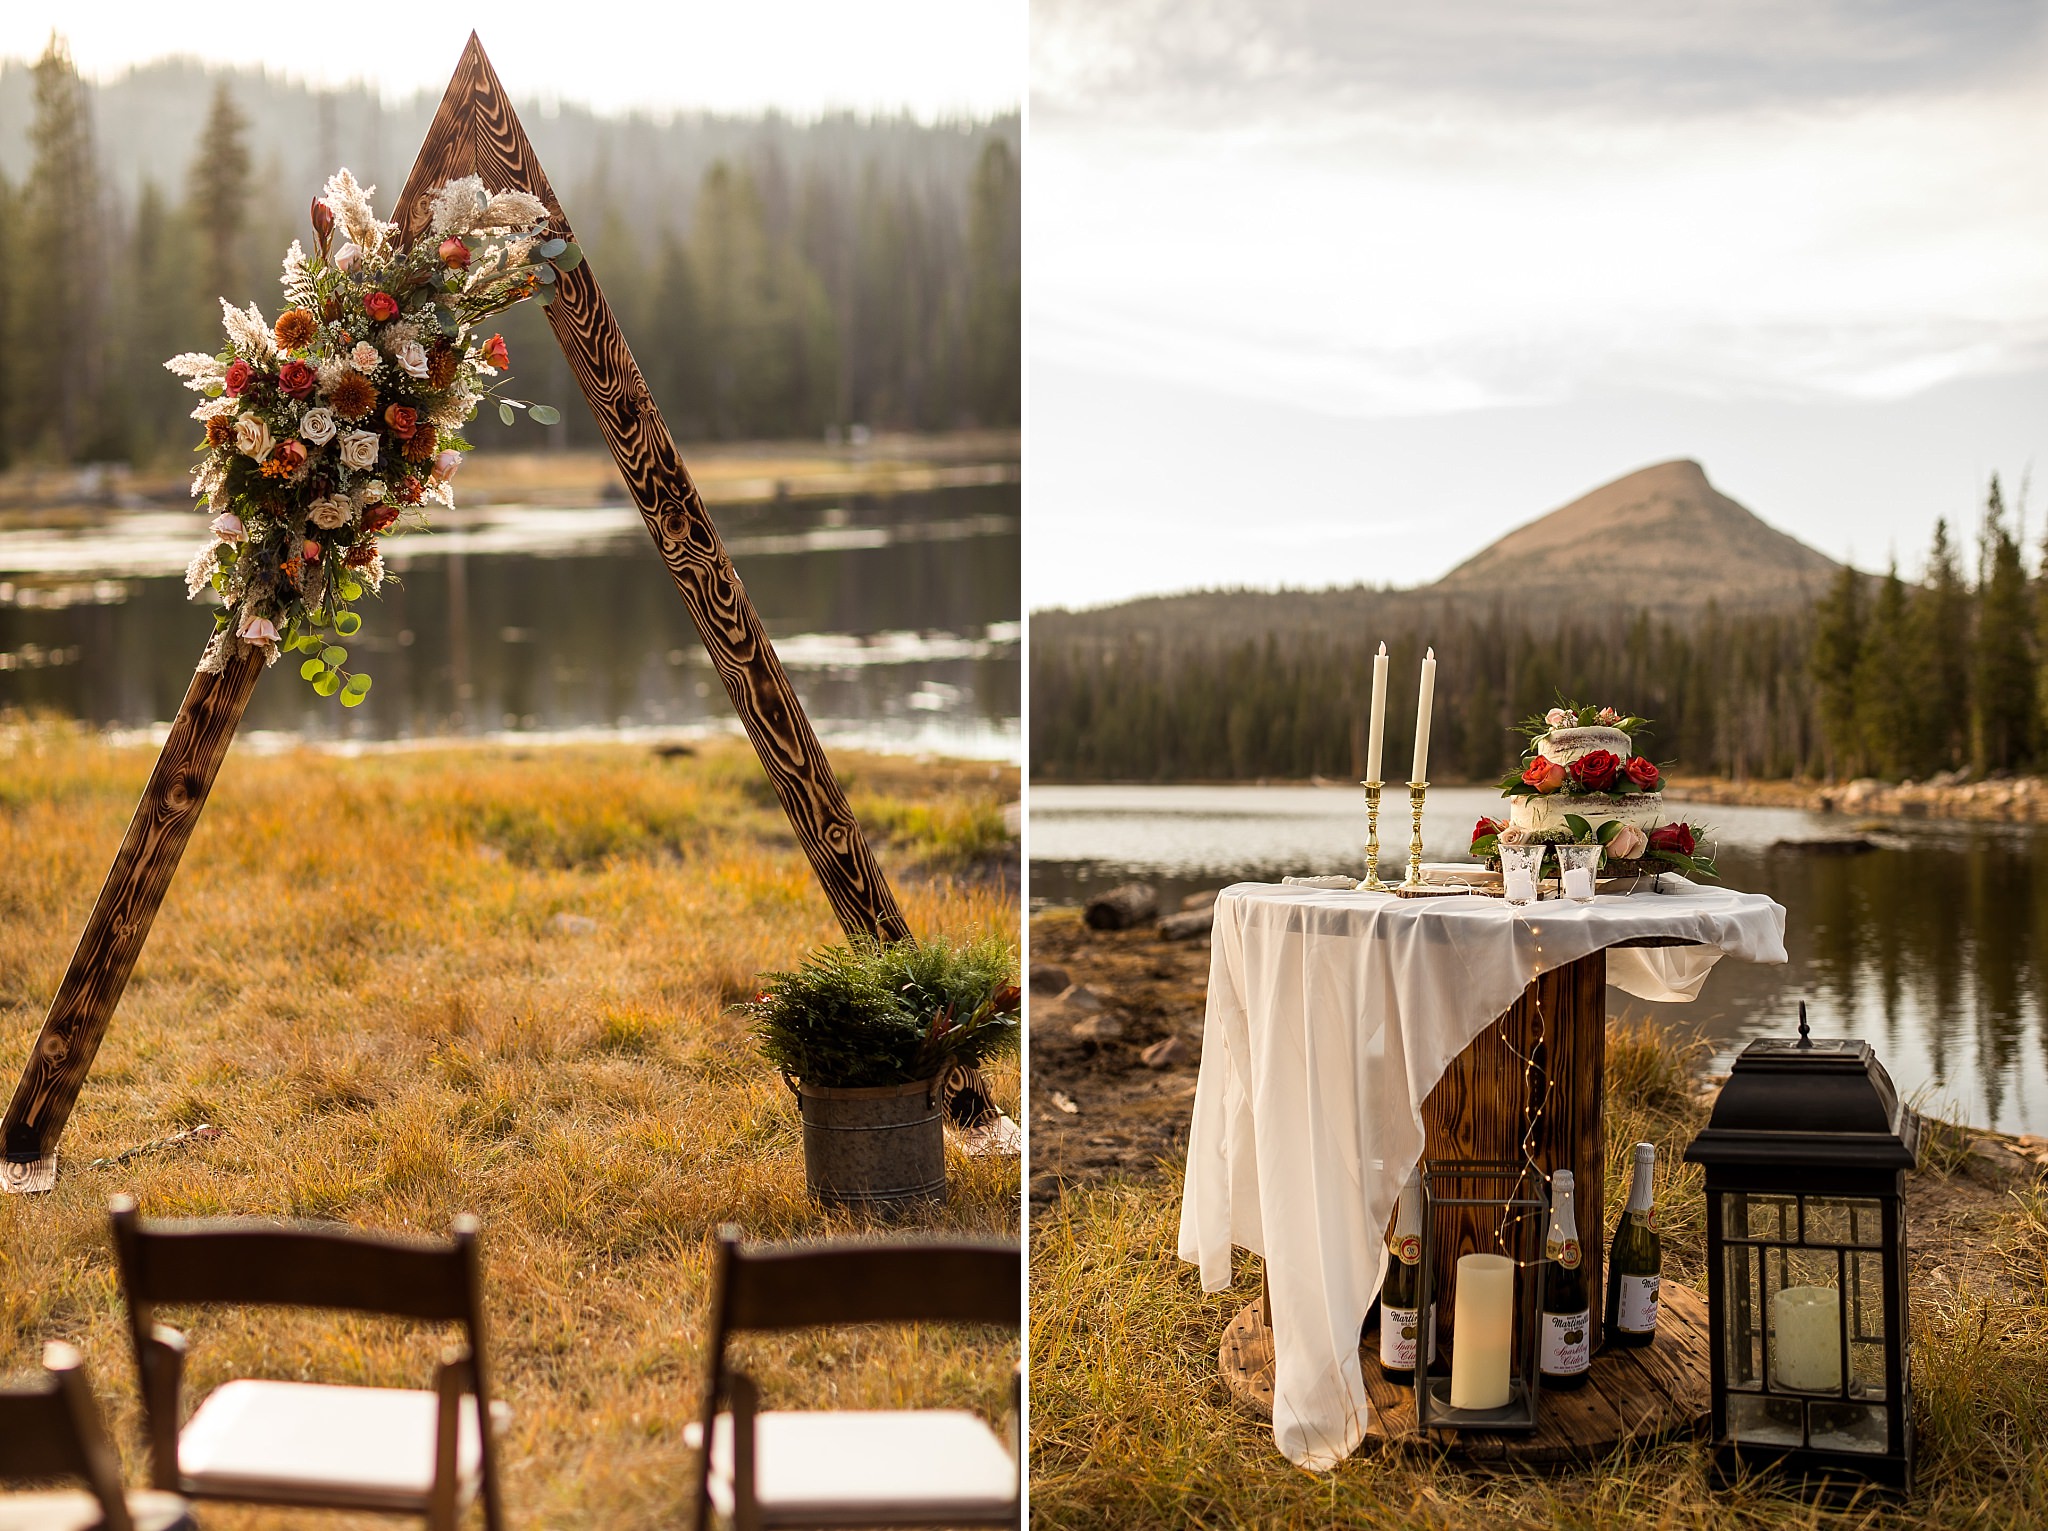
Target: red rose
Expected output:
[1484,828]
[1544,775]
[495,353]
[297,379]
[1644,773]
[1673,837]
[378,517]
[290,453]
[403,420]
[238,376]
[1596,769]
[381,306]
[454,252]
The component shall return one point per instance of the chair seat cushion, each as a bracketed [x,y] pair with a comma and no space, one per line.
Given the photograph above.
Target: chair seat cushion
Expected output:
[847,1465]
[79,1511]
[305,1442]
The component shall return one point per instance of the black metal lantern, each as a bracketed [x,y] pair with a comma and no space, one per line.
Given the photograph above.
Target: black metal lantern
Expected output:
[1806,1157]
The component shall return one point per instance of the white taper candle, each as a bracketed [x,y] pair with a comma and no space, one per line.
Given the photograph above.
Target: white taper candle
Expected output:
[1377,735]
[1422,706]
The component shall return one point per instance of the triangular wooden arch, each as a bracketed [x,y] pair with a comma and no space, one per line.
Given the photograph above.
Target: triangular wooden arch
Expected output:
[474,132]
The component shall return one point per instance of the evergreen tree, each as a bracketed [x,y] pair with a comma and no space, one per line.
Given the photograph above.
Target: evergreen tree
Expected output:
[1885,700]
[1938,657]
[1837,656]
[2002,653]
[994,294]
[57,361]
[218,199]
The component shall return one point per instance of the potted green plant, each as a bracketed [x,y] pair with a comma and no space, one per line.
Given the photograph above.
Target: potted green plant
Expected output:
[866,1036]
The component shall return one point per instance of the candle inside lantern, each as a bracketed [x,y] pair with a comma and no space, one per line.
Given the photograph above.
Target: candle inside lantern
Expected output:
[1806,1338]
[1422,706]
[1485,1312]
[1377,731]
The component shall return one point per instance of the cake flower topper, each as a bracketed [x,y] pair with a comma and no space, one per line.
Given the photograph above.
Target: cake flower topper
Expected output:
[334,427]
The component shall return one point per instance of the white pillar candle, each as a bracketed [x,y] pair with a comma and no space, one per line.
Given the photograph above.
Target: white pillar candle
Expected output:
[1485,1314]
[1578,883]
[1377,733]
[1422,705]
[1518,885]
[1806,1338]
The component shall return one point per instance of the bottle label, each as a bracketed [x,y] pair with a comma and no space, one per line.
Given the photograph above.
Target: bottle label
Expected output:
[1407,1248]
[1565,1348]
[1637,1310]
[1398,1331]
[1647,1218]
[1565,1252]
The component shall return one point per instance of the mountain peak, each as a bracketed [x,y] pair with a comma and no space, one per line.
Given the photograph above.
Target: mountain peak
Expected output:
[1660,536]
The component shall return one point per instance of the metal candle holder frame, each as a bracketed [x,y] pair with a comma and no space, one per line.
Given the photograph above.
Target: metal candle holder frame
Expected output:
[1371,881]
[1416,792]
[1525,1383]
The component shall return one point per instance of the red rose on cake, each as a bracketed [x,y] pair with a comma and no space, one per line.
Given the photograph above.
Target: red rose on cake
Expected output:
[1486,827]
[1643,773]
[1673,837]
[1595,770]
[1544,775]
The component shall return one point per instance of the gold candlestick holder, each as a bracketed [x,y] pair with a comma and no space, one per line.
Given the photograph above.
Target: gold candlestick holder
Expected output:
[1416,790]
[1371,882]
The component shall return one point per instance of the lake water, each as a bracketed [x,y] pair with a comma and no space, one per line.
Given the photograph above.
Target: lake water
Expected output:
[1934,947]
[897,617]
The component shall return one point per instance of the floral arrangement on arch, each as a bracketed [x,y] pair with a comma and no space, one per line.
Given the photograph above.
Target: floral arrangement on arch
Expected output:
[337,425]
[1596,771]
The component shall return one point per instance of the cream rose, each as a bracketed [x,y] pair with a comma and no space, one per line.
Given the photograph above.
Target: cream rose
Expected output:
[359,449]
[366,357]
[252,437]
[228,527]
[412,356]
[1557,717]
[330,511]
[318,426]
[445,464]
[1628,843]
[374,492]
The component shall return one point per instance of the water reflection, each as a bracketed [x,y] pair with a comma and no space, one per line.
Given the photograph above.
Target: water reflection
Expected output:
[1934,946]
[897,618]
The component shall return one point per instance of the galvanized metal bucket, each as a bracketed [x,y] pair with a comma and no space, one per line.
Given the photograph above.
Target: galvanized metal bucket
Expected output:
[883,1145]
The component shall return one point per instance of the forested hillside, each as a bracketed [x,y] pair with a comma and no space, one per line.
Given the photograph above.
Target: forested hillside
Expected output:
[775,278]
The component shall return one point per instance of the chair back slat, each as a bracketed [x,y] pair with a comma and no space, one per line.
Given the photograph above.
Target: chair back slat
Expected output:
[794,1287]
[37,1440]
[293,1265]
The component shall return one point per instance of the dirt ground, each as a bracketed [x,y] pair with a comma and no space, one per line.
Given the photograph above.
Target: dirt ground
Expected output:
[1105,1104]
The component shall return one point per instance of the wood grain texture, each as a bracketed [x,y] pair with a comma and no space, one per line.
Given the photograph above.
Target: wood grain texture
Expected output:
[124,911]
[1547,1053]
[475,131]
[1641,1394]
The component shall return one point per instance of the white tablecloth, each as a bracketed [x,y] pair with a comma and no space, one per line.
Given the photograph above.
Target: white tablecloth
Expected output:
[1331,1015]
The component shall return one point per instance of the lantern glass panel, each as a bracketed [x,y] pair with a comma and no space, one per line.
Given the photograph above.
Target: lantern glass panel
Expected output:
[1867,1328]
[1748,1216]
[1836,1220]
[1850,1426]
[1765,1421]
[1744,1340]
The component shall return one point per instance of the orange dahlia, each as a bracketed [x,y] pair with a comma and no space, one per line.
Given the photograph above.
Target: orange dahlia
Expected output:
[294,328]
[354,396]
[421,447]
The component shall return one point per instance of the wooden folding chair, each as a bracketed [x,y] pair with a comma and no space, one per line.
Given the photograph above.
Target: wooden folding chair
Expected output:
[52,1430]
[922,1467]
[308,1444]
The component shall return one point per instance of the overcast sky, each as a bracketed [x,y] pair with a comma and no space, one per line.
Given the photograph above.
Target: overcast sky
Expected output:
[932,57]
[1323,293]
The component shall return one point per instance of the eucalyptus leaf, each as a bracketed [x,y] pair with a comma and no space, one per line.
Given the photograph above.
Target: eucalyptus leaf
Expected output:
[334,654]
[310,669]
[545,414]
[358,683]
[351,698]
[553,247]
[346,623]
[569,260]
[351,591]
[547,297]
[505,412]
[544,274]
[328,684]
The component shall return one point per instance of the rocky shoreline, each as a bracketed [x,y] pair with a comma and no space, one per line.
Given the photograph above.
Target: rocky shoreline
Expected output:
[1949,795]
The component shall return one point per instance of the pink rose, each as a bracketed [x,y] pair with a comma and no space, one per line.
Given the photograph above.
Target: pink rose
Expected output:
[1628,843]
[256,630]
[1609,716]
[445,465]
[380,306]
[495,354]
[346,257]
[228,527]
[454,252]
[1557,717]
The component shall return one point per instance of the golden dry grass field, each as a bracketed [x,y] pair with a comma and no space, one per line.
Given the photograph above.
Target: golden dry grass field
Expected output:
[1131,1425]
[409,985]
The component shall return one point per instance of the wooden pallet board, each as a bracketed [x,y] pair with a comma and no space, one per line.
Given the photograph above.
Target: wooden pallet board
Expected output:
[1644,1394]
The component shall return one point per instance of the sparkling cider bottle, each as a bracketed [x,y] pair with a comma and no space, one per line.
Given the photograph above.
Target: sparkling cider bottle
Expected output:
[1635,1265]
[1401,1325]
[1566,1319]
